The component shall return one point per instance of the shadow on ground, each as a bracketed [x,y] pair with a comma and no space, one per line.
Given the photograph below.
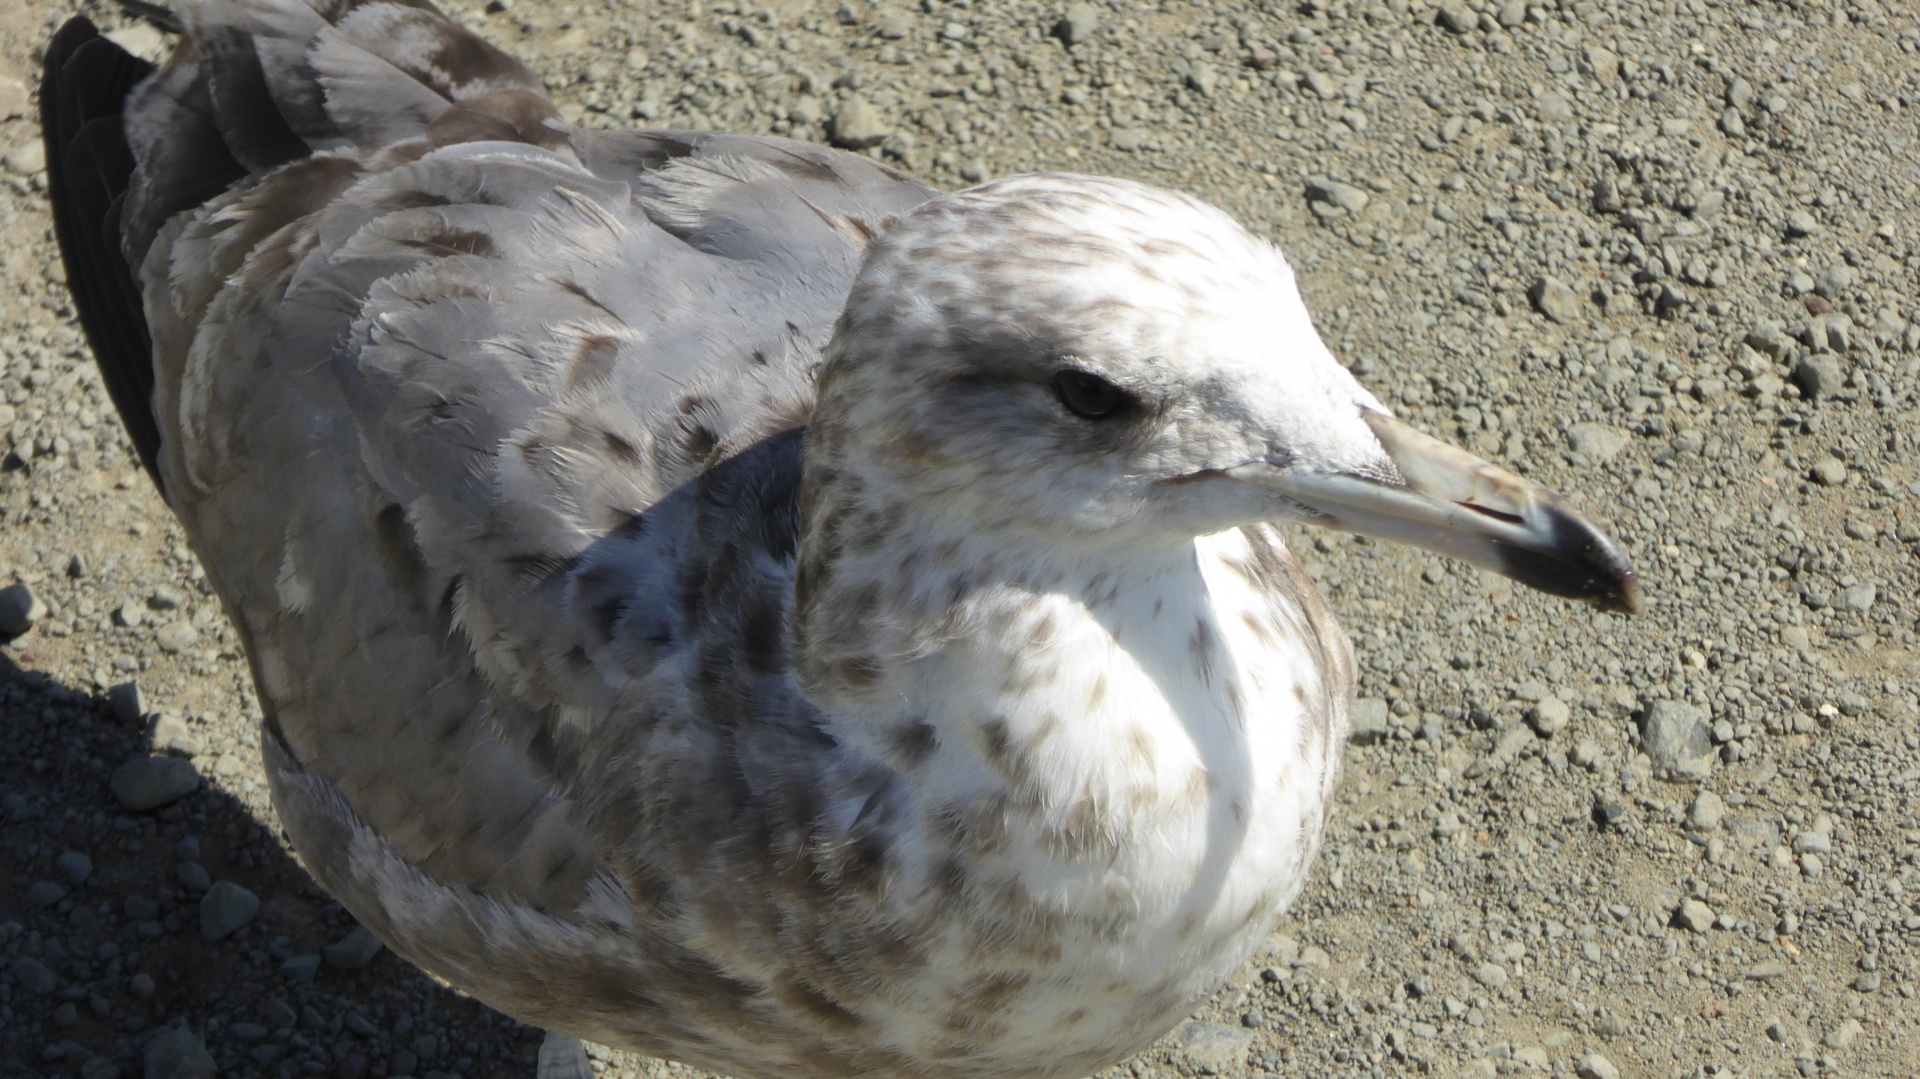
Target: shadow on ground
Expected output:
[100,925]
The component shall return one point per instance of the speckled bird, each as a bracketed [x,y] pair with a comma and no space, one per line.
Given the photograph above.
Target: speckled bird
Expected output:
[718,597]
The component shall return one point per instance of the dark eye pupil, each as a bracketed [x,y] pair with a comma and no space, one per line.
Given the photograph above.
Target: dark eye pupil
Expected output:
[1089,395]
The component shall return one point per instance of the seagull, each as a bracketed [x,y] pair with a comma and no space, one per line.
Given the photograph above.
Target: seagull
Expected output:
[718,597]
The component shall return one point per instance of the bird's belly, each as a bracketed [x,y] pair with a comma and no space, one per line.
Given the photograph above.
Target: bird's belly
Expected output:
[1080,960]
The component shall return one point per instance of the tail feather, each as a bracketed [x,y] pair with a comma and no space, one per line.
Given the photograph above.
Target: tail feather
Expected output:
[89,169]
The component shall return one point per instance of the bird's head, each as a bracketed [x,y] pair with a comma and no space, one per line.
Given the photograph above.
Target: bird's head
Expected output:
[1096,362]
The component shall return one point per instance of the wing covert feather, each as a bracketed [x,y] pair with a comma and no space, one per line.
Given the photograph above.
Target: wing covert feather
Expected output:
[513,373]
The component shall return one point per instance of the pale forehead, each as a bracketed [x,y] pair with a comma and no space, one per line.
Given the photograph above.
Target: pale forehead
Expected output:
[1093,259]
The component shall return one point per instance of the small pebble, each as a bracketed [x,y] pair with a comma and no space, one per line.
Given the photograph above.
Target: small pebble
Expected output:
[146,783]
[353,951]
[27,159]
[1368,723]
[1332,193]
[224,909]
[1552,298]
[278,1014]
[165,599]
[1456,17]
[1550,716]
[1829,472]
[300,968]
[1597,442]
[1707,812]
[74,865]
[193,877]
[1819,376]
[19,610]
[124,700]
[32,975]
[1695,916]
[173,1053]
[858,124]
[13,98]
[1213,1048]
[176,637]
[1078,25]
[172,735]
[1595,1066]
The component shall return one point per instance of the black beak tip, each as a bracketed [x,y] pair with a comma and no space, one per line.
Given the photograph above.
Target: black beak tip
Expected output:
[1578,562]
[1624,595]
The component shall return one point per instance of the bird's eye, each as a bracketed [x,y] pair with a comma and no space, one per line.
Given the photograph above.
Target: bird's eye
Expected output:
[1090,396]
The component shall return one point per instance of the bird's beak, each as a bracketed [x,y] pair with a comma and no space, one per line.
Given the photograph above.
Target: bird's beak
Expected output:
[1448,501]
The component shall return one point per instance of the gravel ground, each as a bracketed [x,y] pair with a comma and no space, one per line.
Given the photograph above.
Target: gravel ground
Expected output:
[1661,255]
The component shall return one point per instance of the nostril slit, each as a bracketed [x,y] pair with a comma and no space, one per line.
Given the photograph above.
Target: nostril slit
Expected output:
[1510,518]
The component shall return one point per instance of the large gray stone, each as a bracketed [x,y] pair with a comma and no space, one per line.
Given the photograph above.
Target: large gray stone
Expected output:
[1676,738]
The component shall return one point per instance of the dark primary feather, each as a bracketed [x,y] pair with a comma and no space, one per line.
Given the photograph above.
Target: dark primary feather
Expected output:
[89,166]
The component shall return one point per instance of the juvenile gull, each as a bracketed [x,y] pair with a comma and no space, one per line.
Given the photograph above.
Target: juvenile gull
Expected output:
[717,596]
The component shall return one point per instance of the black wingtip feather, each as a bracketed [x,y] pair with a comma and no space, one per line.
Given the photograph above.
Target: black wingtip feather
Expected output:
[83,87]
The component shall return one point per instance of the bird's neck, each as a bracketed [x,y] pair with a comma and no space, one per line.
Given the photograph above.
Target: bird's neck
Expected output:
[885,586]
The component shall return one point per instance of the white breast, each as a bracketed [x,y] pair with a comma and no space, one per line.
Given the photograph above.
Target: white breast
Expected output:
[1153,758]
